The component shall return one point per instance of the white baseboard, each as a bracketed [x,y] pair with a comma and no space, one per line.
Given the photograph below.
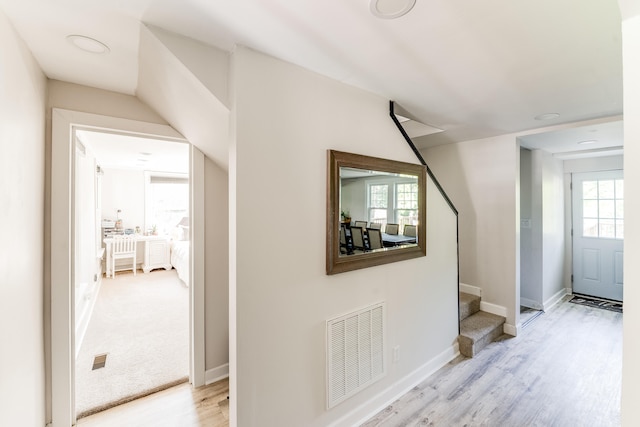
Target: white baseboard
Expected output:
[526,302]
[556,298]
[510,329]
[370,408]
[493,308]
[216,374]
[468,289]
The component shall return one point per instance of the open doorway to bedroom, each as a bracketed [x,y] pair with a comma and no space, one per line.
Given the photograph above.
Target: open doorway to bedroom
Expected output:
[131,309]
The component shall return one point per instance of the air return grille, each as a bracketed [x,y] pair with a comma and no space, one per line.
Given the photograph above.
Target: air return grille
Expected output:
[355,352]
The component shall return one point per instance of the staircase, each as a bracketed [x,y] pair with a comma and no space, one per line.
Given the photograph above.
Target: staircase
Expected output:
[477,328]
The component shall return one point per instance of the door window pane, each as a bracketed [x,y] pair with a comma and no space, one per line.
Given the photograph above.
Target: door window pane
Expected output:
[607,209]
[619,189]
[607,228]
[590,190]
[590,208]
[619,209]
[619,229]
[606,189]
[589,227]
[603,209]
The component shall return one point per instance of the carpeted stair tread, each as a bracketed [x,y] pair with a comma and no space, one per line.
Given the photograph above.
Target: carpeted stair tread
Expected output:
[469,304]
[477,331]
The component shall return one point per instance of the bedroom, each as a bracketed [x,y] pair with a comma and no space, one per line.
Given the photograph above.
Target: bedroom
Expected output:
[131,323]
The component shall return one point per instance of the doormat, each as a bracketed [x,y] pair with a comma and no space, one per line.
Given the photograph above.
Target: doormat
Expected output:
[597,303]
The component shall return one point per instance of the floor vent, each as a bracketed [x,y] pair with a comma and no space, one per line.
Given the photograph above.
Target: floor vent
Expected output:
[99,361]
[355,352]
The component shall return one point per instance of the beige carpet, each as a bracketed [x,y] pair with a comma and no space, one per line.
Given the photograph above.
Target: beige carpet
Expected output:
[142,324]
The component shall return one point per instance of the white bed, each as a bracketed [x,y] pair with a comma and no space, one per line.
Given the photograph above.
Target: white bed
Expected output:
[180,259]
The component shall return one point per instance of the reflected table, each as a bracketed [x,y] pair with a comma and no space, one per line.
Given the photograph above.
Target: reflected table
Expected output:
[397,239]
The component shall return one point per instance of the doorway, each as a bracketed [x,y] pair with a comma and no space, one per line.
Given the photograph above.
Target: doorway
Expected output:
[598,234]
[64,124]
[132,328]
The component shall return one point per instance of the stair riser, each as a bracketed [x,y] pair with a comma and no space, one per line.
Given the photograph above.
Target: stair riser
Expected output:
[469,305]
[469,309]
[469,348]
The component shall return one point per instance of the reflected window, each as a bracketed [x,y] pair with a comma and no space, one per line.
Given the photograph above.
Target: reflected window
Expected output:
[378,203]
[406,203]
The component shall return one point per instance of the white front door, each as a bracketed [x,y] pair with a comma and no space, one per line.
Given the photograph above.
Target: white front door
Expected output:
[598,233]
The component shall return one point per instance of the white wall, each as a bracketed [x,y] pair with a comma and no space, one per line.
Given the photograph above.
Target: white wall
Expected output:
[184,81]
[542,257]
[85,217]
[216,268]
[481,177]
[353,198]
[124,189]
[530,236]
[85,99]
[22,134]
[286,120]
[631,352]
[553,236]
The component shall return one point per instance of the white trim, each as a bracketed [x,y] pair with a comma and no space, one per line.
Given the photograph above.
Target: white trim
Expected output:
[529,303]
[81,329]
[468,289]
[556,298]
[511,329]
[197,262]
[216,374]
[374,405]
[493,308]
[62,315]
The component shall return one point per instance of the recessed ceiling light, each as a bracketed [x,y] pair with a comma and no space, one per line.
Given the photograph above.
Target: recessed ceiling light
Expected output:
[547,116]
[390,9]
[144,153]
[589,141]
[88,44]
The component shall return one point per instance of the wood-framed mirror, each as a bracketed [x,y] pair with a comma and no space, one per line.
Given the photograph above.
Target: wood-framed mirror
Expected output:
[376,211]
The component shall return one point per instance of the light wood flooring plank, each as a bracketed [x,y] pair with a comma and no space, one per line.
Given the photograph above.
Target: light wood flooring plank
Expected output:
[178,406]
[564,369]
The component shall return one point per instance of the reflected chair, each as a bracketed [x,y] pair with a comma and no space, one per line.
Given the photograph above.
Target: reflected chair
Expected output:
[391,228]
[362,224]
[410,230]
[375,238]
[123,247]
[345,242]
[357,237]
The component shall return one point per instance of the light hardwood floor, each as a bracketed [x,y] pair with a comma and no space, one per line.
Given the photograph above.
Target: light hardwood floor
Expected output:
[564,369]
[177,406]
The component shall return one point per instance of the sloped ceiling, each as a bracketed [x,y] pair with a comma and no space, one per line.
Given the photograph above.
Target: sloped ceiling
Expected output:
[473,69]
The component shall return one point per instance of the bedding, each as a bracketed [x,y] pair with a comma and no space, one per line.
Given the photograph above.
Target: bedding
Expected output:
[180,259]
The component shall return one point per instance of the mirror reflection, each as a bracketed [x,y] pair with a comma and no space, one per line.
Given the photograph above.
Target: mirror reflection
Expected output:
[375,211]
[378,211]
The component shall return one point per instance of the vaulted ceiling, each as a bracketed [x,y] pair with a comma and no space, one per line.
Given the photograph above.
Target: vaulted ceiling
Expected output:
[471,69]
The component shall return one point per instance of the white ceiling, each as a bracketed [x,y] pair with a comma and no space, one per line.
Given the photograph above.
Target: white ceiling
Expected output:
[116,151]
[598,139]
[470,68]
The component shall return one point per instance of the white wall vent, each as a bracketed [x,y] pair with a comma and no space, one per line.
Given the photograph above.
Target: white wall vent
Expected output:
[355,352]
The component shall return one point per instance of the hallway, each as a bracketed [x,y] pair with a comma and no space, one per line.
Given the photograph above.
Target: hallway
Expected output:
[571,376]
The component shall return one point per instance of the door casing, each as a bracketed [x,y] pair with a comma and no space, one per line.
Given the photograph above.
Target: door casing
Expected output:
[64,123]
